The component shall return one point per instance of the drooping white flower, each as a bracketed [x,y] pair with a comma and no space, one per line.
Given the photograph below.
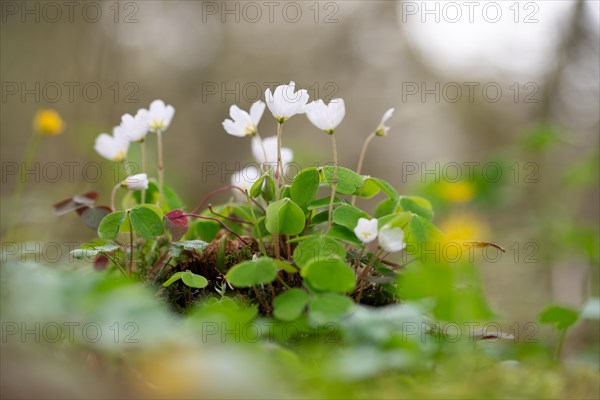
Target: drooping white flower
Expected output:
[158,116]
[326,117]
[381,129]
[391,239]
[265,151]
[136,182]
[244,179]
[113,147]
[285,102]
[135,128]
[366,230]
[243,123]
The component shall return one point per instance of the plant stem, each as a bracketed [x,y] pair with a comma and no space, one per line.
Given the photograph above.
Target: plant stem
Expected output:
[361,158]
[257,227]
[364,273]
[15,211]
[130,243]
[111,258]
[223,189]
[280,279]
[561,341]
[160,167]
[333,180]
[228,229]
[143,150]
[264,165]
[113,195]
[279,172]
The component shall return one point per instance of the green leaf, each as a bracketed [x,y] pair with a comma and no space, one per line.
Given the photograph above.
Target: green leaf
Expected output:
[330,307]
[305,187]
[145,222]
[109,227]
[257,187]
[330,275]
[323,202]
[348,181]
[562,317]
[370,189]
[268,192]
[195,245]
[207,230]
[88,252]
[318,248]
[175,277]
[344,234]
[386,207]
[194,281]
[286,217]
[290,304]
[387,188]
[347,216]
[251,273]
[417,205]
[172,201]
[423,238]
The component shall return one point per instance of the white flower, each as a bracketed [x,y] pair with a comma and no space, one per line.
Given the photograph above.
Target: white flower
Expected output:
[366,230]
[158,116]
[135,128]
[391,239]
[383,130]
[136,182]
[113,147]
[241,123]
[244,179]
[326,117]
[265,151]
[285,102]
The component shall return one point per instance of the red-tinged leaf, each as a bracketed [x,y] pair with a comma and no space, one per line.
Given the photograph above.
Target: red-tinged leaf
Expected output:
[101,262]
[75,203]
[176,223]
[92,217]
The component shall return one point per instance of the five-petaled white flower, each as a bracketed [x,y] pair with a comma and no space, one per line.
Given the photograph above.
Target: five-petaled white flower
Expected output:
[285,102]
[265,151]
[243,123]
[113,147]
[366,230]
[391,239]
[158,116]
[135,128]
[326,117]
[383,130]
[244,179]
[136,182]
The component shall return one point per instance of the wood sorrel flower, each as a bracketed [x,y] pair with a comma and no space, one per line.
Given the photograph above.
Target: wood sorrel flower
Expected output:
[113,147]
[158,116]
[265,151]
[391,238]
[326,117]
[381,129]
[285,102]
[135,128]
[366,230]
[136,182]
[242,123]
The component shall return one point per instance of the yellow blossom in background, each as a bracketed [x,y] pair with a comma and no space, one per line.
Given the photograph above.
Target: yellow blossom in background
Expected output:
[48,123]
[456,192]
[465,226]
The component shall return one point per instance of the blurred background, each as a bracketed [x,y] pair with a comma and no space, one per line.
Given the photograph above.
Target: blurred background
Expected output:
[496,122]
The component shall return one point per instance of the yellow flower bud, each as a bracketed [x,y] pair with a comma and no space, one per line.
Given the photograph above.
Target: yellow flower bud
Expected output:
[48,123]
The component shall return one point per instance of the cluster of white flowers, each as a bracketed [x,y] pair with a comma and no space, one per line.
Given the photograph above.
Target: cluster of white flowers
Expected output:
[283,103]
[391,239]
[155,119]
[134,129]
